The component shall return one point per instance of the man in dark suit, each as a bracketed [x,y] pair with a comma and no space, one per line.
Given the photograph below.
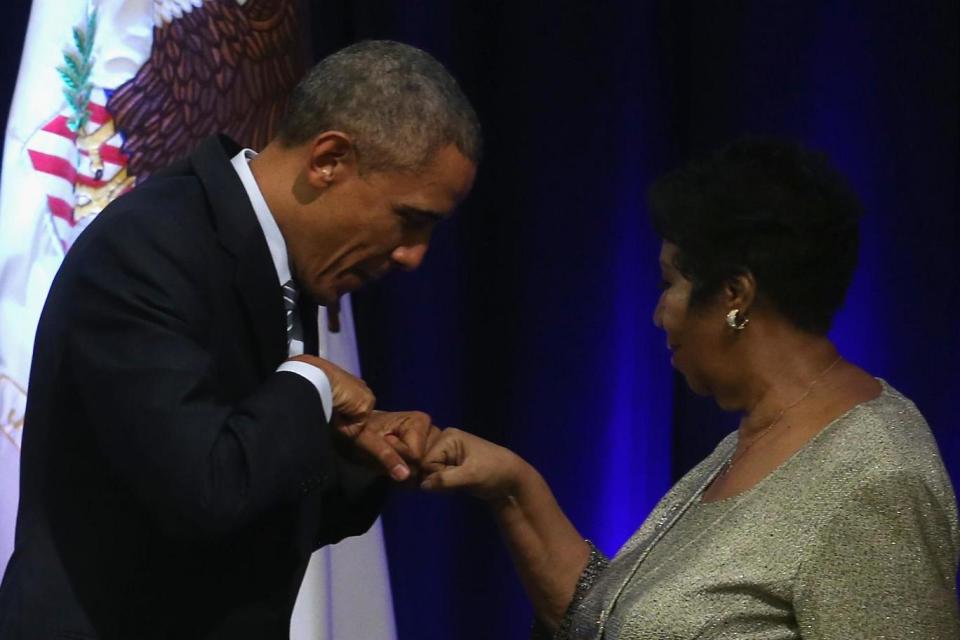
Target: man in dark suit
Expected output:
[183,452]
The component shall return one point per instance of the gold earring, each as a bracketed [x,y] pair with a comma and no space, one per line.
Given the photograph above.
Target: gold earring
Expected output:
[736,321]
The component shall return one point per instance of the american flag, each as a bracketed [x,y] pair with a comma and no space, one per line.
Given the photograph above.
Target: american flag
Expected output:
[79,178]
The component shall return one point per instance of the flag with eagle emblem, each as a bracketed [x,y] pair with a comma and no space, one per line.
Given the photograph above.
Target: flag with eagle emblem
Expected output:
[108,92]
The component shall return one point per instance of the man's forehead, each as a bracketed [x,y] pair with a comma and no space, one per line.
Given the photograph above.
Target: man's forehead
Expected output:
[455,169]
[444,183]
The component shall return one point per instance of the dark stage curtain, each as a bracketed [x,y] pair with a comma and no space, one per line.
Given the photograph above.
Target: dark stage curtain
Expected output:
[530,322]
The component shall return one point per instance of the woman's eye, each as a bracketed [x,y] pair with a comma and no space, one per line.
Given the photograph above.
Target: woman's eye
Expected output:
[664,285]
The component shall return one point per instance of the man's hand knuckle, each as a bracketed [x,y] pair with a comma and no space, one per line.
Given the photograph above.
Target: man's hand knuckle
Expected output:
[422,418]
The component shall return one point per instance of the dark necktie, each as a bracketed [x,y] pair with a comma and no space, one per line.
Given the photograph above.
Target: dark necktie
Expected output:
[290,295]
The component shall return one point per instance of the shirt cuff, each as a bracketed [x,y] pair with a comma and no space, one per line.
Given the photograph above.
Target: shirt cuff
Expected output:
[317,378]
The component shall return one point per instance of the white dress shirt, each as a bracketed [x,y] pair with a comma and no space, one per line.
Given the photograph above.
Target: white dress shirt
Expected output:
[278,252]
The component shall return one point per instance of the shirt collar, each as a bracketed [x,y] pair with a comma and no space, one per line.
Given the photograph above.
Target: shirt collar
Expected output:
[275,241]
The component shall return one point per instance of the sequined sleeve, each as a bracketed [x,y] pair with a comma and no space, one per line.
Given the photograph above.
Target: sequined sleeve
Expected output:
[596,563]
[880,565]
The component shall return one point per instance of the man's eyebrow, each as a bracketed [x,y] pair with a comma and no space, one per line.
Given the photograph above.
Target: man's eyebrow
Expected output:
[410,210]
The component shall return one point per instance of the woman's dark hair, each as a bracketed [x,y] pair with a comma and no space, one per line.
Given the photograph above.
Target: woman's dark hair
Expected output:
[771,208]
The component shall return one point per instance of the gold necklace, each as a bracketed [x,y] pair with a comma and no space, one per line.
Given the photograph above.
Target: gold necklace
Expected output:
[734,457]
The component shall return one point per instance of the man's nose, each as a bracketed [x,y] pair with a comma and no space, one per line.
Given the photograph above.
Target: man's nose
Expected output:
[409,257]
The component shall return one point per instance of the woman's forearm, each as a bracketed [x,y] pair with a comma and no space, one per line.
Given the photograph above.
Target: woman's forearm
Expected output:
[547,550]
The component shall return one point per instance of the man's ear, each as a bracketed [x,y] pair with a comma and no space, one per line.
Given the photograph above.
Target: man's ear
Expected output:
[332,157]
[740,292]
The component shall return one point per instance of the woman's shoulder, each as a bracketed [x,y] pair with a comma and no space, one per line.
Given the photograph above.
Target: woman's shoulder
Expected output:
[885,430]
[879,525]
[884,443]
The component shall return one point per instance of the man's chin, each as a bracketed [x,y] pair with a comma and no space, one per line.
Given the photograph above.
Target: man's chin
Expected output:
[328,299]
[348,282]
[351,281]
[324,297]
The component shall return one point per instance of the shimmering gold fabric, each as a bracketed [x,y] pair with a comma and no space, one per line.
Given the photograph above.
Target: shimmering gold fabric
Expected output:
[855,536]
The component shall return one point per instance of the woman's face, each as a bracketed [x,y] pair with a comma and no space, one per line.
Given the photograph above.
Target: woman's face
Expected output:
[694,336]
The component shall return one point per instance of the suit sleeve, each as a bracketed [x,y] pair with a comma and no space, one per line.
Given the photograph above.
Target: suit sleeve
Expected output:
[200,463]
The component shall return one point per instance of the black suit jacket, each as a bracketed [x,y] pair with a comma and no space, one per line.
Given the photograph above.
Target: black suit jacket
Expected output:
[173,484]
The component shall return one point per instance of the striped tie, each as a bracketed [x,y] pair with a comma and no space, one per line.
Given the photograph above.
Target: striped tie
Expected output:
[290,296]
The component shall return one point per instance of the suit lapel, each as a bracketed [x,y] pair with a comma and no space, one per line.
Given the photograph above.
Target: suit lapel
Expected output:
[263,303]
[240,234]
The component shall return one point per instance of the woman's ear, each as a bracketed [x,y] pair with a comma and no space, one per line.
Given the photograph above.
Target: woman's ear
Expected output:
[740,292]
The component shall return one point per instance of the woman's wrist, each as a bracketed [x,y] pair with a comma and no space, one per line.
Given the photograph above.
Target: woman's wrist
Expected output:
[519,490]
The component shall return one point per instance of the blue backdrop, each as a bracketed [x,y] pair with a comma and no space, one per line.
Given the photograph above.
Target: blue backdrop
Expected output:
[530,321]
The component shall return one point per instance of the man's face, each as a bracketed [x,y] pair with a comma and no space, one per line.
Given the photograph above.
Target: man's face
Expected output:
[365,225]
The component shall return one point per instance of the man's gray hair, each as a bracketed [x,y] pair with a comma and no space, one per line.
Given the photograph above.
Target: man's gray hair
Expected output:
[397,103]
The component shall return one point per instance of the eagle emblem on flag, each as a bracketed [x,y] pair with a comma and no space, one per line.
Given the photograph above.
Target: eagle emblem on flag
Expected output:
[214,66]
